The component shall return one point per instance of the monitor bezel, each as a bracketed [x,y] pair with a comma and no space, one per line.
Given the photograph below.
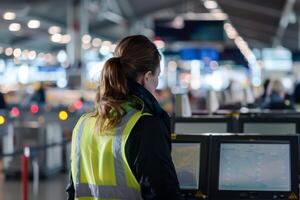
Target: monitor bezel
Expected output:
[203,178]
[261,139]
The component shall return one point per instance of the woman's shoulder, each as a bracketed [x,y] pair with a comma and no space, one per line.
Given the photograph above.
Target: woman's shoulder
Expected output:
[84,118]
[149,118]
[150,130]
[150,124]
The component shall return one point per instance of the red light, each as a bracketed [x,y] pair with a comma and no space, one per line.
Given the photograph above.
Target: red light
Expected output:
[34,108]
[15,112]
[78,105]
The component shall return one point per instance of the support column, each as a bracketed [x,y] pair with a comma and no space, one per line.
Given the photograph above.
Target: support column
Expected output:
[283,23]
[299,33]
[77,26]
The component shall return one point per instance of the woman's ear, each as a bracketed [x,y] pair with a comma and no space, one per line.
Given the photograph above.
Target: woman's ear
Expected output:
[143,79]
[147,77]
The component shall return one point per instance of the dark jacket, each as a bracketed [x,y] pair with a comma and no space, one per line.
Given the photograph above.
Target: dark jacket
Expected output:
[148,151]
[2,101]
[276,102]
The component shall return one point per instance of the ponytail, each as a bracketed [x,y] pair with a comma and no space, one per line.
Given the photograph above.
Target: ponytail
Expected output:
[113,79]
[135,55]
[111,93]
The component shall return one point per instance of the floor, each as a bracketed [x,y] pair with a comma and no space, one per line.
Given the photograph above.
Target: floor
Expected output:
[49,189]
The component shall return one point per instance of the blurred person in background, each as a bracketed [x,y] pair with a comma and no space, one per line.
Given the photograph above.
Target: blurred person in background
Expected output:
[265,88]
[2,101]
[275,97]
[296,94]
[123,149]
[40,95]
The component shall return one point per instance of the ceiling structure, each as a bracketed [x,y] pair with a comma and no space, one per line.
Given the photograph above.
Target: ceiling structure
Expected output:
[258,21]
[262,23]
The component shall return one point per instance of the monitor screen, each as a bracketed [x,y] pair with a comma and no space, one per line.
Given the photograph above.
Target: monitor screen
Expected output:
[189,30]
[270,128]
[186,158]
[277,59]
[186,128]
[255,167]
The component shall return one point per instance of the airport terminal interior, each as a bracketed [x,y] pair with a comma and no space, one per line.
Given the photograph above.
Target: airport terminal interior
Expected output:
[230,82]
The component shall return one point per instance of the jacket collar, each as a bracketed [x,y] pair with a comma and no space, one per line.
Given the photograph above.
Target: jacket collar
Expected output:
[150,104]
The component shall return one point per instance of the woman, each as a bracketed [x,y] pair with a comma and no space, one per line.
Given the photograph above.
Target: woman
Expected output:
[275,97]
[123,149]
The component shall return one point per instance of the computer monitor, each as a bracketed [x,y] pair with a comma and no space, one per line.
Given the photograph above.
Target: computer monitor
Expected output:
[189,155]
[202,124]
[268,124]
[254,167]
[269,127]
[186,158]
[189,30]
[277,59]
[237,161]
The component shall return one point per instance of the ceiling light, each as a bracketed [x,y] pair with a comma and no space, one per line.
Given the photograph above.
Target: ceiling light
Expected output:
[17,52]
[56,38]
[54,30]
[32,55]
[14,27]
[96,42]
[9,16]
[34,24]
[210,4]
[86,39]
[9,51]
[65,39]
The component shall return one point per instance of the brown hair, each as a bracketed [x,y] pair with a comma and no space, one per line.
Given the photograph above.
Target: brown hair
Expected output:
[275,86]
[134,56]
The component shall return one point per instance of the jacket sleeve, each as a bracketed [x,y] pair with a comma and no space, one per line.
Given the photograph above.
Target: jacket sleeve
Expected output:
[150,153]
[70,188]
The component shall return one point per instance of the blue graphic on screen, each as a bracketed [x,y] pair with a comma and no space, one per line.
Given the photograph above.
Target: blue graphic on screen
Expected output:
[186,158]
[254,167]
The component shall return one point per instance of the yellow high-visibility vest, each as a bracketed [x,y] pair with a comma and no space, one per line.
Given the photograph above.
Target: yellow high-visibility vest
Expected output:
[99,166]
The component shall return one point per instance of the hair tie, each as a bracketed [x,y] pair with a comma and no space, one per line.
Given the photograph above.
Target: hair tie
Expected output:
[117,59]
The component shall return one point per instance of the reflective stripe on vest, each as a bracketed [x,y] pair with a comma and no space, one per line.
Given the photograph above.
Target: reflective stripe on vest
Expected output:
[120,190]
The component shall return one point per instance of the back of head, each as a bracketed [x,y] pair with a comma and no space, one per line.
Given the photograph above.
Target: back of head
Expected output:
[134,56]
[275,86]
